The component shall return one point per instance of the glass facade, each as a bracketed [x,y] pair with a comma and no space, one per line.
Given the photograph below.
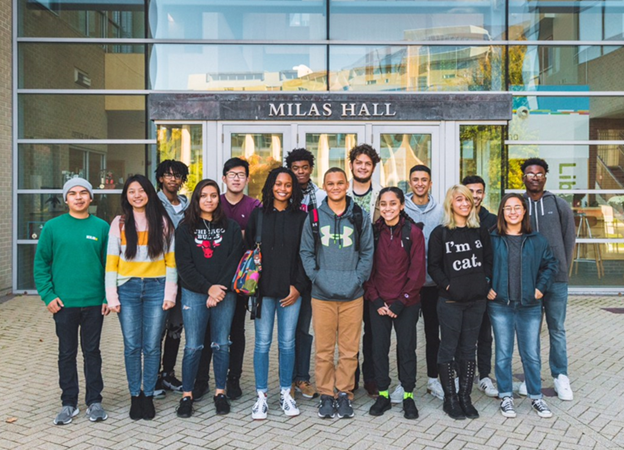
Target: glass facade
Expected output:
[85,71]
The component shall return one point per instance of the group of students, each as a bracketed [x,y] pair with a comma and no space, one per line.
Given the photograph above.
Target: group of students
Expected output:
[332,258]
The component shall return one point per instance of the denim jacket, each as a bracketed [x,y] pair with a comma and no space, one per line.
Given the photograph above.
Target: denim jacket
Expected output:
[538,267]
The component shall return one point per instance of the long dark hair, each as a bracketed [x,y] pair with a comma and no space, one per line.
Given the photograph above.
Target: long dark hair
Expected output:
[501,225]
[159,226]
[401,196]
[267,191]
[192,215]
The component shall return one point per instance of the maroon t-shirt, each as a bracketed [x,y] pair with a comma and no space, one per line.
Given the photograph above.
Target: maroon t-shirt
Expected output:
[240,212]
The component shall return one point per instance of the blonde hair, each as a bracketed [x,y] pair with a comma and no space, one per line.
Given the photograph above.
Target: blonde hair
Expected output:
[449,218]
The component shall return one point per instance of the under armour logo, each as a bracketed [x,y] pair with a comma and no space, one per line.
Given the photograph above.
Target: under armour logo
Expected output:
[345,237]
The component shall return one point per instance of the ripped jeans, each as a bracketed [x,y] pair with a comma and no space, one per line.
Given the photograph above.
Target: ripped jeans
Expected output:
[196,317]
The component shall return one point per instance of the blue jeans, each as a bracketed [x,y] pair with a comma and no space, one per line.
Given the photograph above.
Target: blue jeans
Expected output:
[142,320]
[525,322]
[286,326]
[555,302]
[196,316]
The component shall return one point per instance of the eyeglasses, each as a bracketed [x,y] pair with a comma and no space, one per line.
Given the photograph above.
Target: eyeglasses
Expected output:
[170,176]
[509,209]
[239,175]
[535,176]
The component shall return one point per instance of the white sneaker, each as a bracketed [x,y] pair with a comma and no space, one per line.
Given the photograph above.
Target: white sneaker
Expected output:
[562,387]
[507,407]
[486,385]
[435,388]
[288,404]
[261,409]
[522,389]
[397,395]
[541,408]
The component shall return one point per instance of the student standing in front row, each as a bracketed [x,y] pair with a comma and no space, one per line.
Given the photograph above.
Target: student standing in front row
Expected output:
[460,263]
[337,254]
[281,283]
[524,268]
[209,248]
[393,291]
[69,275]
[141,285]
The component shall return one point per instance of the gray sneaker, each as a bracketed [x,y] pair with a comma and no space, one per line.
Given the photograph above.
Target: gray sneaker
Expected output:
[344,408]
[66,415]
[326,407]
[96,413]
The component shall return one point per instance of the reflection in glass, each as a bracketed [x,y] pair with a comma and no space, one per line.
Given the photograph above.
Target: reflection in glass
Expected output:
[294,20]
[416,68]
[84,66]
[263,151]
[238,67]
[399,153]
[329,150]
[481,154]
[182,143]
[416,20]
[25,260]
[34,210]
[81,116]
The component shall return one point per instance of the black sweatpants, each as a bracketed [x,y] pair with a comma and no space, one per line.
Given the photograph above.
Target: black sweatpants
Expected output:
[429,307]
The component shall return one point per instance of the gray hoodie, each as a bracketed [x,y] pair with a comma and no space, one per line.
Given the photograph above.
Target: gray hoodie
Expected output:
[552,217]
[431,217]
[175,217]
[342,271]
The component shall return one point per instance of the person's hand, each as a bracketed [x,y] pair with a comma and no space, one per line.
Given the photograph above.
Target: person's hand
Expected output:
[105,309]
[211,302]
[168,304]
[491,295]
[448,287]
[538,294]
[115,309]
[389,313]
[217,291]
[291,298]
[55,305]
[381,311]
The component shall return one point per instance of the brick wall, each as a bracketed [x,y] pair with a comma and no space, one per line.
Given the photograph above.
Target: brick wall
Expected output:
[6,186]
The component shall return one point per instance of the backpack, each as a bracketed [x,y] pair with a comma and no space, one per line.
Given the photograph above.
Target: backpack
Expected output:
[356,220]
[247,275]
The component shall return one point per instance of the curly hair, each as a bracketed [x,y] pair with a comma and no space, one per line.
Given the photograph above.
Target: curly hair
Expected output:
[171,166]
[299,154]
[364,149]
[534,162]
[267,191]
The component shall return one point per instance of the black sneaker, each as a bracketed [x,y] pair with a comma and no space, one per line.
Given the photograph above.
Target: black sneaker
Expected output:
[409,409]
[185,408]
[136,407]
[326,407]
[381,405]
[170,382]
[233,388]
[149,412]
[221,404]
[159,390]
[201,388]
[344,408]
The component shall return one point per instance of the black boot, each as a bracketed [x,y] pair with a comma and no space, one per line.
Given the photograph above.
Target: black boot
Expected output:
[136,407]
[149,412]
[466,379]
[451,402]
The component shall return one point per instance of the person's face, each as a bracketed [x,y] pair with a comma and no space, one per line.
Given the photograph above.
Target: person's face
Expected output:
[335,184]
[236,179]
[534,178]
[390,207]
[137,197]
[283,188]
[420,182]
[460,205]
[171,182]
[478,192]
[514,211]
[303,171]
[78,199]
[362,168]
[208,199]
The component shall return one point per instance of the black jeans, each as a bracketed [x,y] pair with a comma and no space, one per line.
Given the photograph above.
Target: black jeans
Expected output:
[429,308]
[237,348]
[459,325]
[368,367]
[303,339]
[69,322]
[173,335]
[405,330]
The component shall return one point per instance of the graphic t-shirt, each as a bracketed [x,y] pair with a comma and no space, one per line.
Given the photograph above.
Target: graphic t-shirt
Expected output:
[363,201]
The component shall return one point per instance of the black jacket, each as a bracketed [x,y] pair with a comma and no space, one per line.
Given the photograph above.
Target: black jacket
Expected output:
[281,264]
[487,219]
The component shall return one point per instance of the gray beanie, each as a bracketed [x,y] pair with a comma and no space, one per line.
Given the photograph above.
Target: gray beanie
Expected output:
[77,182]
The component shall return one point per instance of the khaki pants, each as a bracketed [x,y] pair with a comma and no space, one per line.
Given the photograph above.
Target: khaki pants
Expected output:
[341,323]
